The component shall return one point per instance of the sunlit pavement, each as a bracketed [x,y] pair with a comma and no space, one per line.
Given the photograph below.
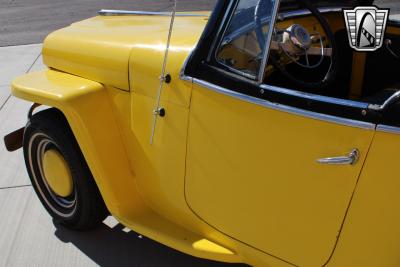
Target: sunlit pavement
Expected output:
[28,237]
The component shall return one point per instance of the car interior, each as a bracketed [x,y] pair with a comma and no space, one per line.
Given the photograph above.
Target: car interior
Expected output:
[310,52]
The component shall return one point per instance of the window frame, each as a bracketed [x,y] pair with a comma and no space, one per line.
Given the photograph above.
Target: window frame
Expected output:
[221,34]
[212,58]
[201,68]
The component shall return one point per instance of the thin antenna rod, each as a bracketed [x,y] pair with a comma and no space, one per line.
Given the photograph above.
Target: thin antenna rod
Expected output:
[156,111]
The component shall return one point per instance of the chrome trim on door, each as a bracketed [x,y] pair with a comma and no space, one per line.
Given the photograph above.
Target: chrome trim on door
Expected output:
[284,108]
[110,12]
[327,99]
[388,129]
[351,159]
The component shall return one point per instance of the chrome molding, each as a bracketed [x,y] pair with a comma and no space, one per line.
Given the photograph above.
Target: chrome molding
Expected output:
[215,50]
[277,106]
[351,159]
[268,40]
[284,108]
[263,65]
[326,99]
[220,28]
[388,129]
[110,12]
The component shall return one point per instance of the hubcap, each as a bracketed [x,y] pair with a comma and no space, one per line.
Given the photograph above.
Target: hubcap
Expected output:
[57,173]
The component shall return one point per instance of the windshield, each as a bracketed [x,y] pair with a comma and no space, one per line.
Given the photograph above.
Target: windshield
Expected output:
[243,45]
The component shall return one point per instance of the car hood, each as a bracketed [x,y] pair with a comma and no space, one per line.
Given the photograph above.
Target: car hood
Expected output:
[100,48]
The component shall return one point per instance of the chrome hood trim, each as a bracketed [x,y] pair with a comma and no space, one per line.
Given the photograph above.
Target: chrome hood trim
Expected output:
[110,12]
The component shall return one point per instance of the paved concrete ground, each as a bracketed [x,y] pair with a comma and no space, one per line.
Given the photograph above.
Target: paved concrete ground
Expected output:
[28,236]
[28,22]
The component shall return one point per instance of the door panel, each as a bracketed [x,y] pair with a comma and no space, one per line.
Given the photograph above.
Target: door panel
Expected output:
[252,174]
[371,233]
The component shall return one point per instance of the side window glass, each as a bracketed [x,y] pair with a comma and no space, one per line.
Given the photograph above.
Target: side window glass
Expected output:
[243,45]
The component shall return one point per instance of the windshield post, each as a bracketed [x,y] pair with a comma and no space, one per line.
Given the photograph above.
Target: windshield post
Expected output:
[274,15]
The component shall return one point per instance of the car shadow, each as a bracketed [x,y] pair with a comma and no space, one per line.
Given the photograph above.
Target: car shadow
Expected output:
[115,246]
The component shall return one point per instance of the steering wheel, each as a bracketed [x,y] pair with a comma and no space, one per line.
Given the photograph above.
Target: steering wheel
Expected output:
[297,44]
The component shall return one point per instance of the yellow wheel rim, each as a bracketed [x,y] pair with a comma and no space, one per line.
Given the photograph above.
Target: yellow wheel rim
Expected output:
[57,173]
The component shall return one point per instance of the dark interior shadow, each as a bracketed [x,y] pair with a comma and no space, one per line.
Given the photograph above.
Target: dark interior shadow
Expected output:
[108,246]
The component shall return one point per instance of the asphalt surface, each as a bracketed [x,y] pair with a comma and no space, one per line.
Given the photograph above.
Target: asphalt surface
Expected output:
[29,21]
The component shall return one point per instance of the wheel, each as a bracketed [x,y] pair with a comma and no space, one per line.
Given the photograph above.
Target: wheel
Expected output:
[59,173]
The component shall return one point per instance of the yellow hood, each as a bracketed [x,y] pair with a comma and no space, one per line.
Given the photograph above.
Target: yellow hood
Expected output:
[99,48]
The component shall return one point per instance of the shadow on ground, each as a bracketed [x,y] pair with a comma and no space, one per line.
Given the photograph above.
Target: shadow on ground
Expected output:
[108,246]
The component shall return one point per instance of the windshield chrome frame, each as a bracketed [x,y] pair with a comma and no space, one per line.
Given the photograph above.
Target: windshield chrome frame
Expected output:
[275,16]
[364,106]
[258,79]
[261,73]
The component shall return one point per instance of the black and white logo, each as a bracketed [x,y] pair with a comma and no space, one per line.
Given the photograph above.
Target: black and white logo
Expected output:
[366,26]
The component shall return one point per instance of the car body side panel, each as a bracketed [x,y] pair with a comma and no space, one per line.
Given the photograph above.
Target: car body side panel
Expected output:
[258,169]
[87,107]
[371,232]
[158,174]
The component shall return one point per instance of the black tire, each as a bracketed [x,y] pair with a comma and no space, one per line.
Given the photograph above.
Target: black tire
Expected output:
[84,208]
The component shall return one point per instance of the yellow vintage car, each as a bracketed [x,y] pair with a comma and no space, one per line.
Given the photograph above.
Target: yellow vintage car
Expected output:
[253,134]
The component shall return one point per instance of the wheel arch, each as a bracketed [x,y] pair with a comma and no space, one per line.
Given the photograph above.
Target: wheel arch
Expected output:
[86,107]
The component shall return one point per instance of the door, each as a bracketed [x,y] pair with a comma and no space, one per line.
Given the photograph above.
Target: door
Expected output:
[252,173]
[251,167]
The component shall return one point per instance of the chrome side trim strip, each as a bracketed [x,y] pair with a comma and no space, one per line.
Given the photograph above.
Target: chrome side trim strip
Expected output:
[223,24]
[388,129]
[284,108]
[220,28]
[110,12]
[263,66]
[326,99]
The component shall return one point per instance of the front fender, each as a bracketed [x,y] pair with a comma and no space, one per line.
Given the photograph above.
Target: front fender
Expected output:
[86,106]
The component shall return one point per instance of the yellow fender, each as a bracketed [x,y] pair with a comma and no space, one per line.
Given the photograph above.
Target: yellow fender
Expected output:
[86,106]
